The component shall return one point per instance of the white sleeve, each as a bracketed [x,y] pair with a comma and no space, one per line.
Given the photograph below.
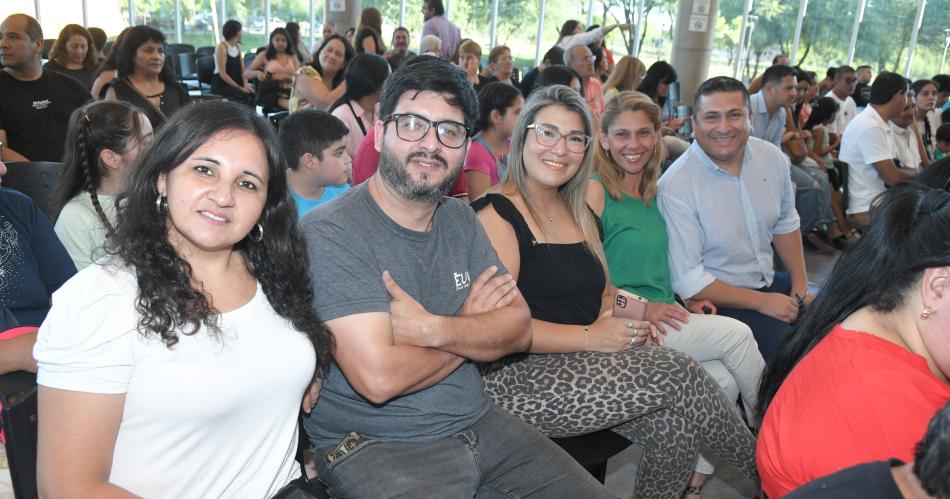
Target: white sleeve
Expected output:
[586,38]
[86,342]
[79,233]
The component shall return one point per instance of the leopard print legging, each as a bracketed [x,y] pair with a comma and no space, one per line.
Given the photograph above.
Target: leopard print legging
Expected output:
[657,398]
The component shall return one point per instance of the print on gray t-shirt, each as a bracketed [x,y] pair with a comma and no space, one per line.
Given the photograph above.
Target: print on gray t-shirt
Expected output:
[351,242]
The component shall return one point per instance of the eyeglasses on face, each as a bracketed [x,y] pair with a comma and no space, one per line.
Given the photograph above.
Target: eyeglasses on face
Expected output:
[412,128]
[549,136]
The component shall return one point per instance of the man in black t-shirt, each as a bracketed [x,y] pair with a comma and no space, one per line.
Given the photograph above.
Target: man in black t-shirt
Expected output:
[862,90]
[34,104]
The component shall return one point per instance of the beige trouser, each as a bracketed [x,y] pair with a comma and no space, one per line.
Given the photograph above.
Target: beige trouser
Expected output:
[726,349]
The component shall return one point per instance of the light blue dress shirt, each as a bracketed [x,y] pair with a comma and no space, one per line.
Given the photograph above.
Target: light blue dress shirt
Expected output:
[763,127]
[721,226]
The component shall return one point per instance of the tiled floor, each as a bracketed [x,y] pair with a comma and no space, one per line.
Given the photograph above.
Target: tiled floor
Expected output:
[727,482]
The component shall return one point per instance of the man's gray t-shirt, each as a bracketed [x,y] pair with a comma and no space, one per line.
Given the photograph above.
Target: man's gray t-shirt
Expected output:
[351,242]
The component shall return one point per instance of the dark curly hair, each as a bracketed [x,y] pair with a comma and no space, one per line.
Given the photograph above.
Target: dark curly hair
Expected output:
[168,303]
[98,125]
[932,455]
[135,38]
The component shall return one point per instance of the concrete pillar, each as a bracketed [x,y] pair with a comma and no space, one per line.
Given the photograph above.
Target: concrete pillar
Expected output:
[692,44]
[344,14]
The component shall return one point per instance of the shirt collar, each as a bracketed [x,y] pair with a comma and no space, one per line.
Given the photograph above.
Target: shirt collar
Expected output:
[757,100]
[876,116]
[711,165]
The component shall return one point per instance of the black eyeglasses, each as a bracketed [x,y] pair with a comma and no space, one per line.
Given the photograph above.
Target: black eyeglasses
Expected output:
[549,136]
[412,128]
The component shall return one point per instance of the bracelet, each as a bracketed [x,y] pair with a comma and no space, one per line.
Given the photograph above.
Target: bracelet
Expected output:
[586,338]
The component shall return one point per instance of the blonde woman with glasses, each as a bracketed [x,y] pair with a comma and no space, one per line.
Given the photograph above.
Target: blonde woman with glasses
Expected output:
[587,371]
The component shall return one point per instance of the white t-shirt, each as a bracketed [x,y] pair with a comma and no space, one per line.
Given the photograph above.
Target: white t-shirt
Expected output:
[210,417]
[847,111]
[867,140]
[81,230]
[905,146]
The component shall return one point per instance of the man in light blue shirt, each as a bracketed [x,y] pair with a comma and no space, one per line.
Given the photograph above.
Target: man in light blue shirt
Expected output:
[779,87]
[726,201]
[769,120]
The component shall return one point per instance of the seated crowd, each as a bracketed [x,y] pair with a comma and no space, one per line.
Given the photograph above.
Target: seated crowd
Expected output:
[562,255]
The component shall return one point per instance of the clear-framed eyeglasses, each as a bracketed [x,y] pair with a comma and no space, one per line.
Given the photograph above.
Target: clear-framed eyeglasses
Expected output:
[412,128]
[549,136]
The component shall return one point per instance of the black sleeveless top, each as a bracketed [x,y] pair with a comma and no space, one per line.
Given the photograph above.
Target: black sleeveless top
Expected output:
[562,283]
[233,67]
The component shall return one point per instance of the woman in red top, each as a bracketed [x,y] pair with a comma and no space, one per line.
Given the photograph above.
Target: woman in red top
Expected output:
[867,366]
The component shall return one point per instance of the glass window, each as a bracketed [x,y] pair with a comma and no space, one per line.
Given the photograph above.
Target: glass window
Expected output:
[199,26]
[298,11]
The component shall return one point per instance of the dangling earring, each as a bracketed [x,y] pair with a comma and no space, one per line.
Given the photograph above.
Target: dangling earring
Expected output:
[926,313]
[260,233]
[161,204]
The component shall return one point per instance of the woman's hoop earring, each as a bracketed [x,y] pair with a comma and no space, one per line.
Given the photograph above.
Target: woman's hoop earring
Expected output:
[161,204]
[260,233]
[926,313]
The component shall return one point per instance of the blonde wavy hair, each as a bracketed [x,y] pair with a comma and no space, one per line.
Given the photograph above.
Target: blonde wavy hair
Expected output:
[626,74]
[610,172]
[573,193]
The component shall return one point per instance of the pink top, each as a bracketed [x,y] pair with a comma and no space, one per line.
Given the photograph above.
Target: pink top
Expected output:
[480,159]
[352,121]
[854,398]
[274,66]
[594,95]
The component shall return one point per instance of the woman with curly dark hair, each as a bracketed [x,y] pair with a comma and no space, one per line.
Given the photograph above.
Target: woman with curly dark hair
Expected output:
[177,367]
[144,79]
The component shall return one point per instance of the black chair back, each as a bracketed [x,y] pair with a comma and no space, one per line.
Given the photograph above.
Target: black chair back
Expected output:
[204,67]
[19,419]
[180,48]
[186,66]
[249,58]
[593,450]
[842,168]
[37,179]
[201,51]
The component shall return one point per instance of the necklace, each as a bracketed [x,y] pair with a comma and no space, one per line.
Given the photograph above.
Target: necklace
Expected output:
[159,96]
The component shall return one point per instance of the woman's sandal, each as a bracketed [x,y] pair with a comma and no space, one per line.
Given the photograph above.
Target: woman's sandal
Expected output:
[696,490]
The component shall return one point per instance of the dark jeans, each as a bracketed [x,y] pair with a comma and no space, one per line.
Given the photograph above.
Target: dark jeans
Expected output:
[500,456]
[768,331]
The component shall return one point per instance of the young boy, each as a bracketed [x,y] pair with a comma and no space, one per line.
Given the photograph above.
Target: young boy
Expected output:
[943,141]
[313,143]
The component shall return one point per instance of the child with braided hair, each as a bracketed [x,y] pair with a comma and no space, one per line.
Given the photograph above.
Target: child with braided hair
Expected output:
[103,142]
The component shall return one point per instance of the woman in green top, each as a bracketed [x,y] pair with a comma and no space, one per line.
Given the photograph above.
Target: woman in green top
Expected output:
[636,245]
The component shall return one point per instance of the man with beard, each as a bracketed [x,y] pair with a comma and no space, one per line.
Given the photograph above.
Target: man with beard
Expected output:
[409,284]
[400,53]
[726,201]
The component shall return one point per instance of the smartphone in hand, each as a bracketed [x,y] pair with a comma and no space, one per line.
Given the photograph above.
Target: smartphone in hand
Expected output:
[630,306]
